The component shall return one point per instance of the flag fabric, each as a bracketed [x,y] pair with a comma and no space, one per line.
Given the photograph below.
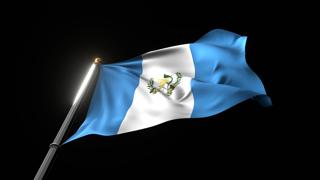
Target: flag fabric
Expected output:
[193,80]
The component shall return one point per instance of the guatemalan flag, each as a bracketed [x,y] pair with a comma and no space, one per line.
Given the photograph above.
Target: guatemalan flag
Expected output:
[193,80]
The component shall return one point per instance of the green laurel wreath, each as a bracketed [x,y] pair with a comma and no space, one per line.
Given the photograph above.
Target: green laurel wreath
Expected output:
[170,86]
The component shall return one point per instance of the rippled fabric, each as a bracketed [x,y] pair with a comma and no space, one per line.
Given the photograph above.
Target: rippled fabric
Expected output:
[214,77]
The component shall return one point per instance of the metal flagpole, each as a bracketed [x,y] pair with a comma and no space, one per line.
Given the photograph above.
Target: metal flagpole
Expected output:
[57,141]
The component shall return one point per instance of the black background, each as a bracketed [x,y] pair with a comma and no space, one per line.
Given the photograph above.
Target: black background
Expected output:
[57,43]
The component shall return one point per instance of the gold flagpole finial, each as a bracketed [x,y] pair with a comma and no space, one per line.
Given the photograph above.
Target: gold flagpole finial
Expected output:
[97,61]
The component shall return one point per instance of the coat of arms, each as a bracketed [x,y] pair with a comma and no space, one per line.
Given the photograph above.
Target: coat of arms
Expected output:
[166,84]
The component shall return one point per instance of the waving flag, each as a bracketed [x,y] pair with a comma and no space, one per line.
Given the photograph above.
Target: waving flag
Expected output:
[193,80]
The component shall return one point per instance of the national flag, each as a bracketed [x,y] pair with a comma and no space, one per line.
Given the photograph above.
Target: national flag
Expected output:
[193,80]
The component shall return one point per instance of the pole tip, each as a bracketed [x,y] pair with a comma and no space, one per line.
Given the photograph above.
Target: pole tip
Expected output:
[97,60]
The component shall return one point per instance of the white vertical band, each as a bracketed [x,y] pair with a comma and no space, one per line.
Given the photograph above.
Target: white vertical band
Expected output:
[151,109]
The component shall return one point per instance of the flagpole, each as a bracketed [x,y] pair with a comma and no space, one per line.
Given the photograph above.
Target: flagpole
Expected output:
[65,125]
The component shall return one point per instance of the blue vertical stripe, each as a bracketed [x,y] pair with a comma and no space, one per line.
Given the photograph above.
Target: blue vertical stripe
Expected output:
[112,98]
[222,76]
